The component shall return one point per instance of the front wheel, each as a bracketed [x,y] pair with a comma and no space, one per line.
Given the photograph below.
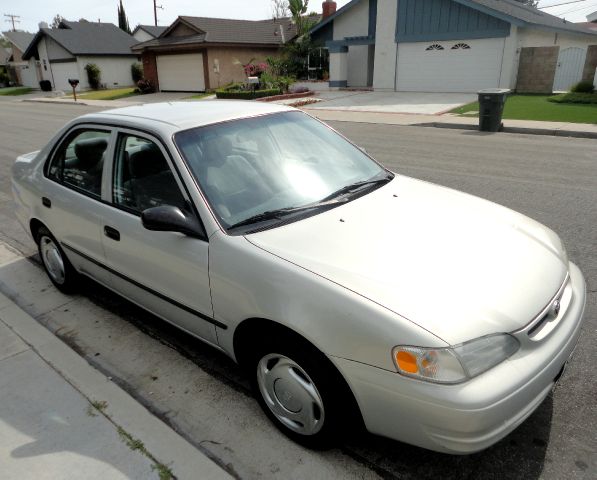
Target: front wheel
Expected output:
[60,271]
[302,393]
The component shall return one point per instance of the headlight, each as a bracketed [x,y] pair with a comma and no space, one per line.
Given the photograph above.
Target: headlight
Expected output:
[455,364]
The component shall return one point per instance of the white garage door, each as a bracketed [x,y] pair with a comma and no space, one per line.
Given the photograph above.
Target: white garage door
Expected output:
[61,72]
[449,66]
[181,73]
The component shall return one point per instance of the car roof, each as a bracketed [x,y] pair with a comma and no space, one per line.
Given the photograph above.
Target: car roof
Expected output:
[184,115]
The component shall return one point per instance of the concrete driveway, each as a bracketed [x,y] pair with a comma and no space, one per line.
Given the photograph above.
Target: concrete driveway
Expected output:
[392,102]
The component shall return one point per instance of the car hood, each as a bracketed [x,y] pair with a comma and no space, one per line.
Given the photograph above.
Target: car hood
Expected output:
[458,266]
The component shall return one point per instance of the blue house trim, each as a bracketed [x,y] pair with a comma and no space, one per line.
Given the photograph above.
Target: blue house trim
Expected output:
[372,17]
[335,46]
[338,83]
[428,20]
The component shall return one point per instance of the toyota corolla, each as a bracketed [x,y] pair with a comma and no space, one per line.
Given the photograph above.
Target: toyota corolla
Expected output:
[351,295]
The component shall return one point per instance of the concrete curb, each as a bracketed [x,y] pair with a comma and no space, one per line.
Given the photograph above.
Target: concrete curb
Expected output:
[521,130]
[167,446]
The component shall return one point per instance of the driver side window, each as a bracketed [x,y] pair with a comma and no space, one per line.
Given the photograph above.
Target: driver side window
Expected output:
[142,177]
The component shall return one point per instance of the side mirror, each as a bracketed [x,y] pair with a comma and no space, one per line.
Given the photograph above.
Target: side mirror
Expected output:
[171,219]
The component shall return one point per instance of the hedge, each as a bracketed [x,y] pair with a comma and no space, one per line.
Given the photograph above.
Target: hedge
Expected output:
[246,94]
[586,98]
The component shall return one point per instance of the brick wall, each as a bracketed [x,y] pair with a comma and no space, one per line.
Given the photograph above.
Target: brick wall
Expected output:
[590,64]
[150,68]
[537,69]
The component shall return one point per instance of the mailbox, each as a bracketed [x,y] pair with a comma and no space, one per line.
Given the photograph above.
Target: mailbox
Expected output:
[73,82]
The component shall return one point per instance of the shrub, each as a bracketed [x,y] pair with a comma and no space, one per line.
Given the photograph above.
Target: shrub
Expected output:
[145,86]
[586,98]
[136,72]
[94,75]
[246,94]
[583,87]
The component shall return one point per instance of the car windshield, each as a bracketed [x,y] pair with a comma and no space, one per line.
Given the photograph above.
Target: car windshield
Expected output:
[262,171]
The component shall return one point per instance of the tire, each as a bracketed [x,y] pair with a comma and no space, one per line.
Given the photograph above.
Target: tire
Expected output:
[301,392]
[56,264]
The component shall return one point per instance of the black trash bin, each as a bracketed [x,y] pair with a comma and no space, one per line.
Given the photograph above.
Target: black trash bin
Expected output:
[491,108]
[45,85]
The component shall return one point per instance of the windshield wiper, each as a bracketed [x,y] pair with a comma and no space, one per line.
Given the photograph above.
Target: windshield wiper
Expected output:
[358,186]
[282,212]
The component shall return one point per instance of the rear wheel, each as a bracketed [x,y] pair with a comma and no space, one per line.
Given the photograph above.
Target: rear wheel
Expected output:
[59,269]
[301,392]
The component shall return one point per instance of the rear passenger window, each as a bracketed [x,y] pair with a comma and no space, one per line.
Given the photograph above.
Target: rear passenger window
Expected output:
[142,177]
[79,161]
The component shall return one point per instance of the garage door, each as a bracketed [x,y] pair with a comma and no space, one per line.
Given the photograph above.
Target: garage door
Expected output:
[449,66]
[181,73]
[61,72]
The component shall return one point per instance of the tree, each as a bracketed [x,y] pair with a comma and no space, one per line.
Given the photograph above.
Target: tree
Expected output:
[298,8]
[123,22]
[279,9]
[56,21]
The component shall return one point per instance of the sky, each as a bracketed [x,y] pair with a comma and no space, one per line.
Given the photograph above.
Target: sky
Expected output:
[141,11]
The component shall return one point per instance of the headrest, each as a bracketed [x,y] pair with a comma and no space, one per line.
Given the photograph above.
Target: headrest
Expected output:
[90,151]
[215,151]
[147,161]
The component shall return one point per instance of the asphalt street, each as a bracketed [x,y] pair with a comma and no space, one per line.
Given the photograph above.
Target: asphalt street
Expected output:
[200,393]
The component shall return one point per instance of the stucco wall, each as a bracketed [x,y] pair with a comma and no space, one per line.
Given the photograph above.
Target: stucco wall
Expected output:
[55,51]
[510,59]
[385,46]
[46,71]
[225,64]
[354,22]
[532,37]
[115,71]
[142,36]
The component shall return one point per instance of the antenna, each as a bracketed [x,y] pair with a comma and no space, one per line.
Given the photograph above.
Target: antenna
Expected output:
[155,12]
[12,19]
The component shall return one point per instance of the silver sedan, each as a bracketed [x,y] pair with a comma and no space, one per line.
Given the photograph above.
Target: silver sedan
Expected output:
[351,295]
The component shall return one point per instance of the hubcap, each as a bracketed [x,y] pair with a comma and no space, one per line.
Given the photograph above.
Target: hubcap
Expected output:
[52,259]
[290,394]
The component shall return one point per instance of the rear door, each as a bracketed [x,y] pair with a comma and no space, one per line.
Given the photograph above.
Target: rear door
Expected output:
[73,189]
[165,272]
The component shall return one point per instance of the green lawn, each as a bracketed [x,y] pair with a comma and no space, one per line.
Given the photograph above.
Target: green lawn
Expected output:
[536,107]
[112,94]
[15,90]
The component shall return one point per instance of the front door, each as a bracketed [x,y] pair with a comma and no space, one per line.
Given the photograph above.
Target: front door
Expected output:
[166,272]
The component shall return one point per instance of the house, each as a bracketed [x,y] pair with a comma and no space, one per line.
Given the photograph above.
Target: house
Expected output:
[591,22]
[20,71]
[142,33]
[63,53]
[199,53]
[453,46]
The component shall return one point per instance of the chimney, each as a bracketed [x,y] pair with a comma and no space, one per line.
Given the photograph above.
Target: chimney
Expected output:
[43,25]
[329,8]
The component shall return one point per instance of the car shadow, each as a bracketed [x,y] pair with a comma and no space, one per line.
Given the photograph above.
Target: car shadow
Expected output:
[520,455]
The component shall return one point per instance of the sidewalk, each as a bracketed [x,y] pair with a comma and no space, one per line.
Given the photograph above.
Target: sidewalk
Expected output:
[61,419]
[561,129]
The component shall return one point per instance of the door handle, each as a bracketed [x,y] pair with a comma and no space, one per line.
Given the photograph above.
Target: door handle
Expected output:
[46,202]
[112,233]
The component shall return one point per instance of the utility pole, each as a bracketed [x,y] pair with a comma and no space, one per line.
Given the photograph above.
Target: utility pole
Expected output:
[12,19]
[155,12]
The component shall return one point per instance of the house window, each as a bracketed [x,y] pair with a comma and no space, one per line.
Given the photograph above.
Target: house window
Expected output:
[435,46]
[461,46]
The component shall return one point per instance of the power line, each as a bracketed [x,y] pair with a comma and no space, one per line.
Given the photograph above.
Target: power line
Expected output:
[12,19]
[560,4]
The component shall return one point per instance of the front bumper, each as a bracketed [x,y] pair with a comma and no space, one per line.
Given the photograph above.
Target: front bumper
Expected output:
[474,415]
